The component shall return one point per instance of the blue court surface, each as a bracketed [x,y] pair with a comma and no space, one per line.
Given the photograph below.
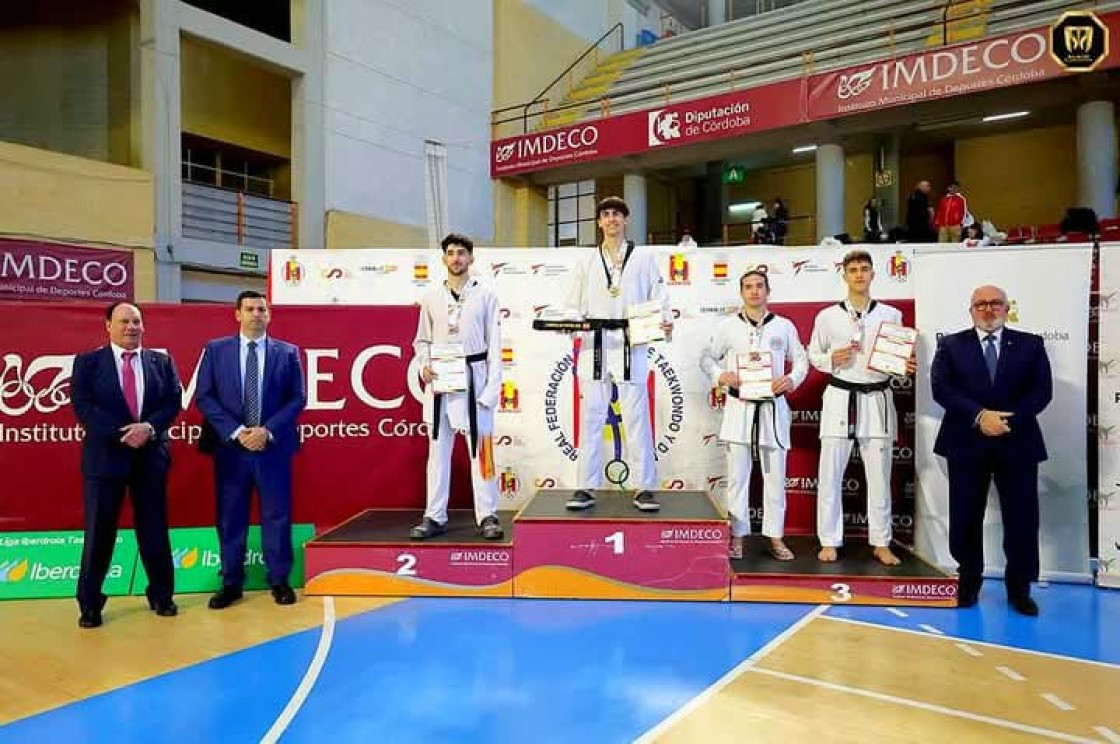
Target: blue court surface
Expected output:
[446,670]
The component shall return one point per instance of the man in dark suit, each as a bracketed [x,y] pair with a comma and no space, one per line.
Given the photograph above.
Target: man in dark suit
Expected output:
[993,382]
[126,397]
[250,391]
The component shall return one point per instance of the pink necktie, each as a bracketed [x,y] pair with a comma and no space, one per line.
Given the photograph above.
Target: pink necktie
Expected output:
[128,382]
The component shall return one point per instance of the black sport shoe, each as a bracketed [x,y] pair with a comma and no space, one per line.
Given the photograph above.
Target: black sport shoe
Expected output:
[428,528]
[646,501]
[491,528]
[581,499]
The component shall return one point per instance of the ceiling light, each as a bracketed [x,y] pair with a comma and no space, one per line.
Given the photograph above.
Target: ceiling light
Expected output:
[1004,117]
[804,148]
[742,207]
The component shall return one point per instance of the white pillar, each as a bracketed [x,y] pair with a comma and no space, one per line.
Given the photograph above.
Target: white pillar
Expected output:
[830,190]
[634,192]
[162,143]
[1096,157]
[717,12]
[309,169]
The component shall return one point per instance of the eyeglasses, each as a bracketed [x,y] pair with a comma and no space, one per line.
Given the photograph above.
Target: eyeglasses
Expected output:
[988,305]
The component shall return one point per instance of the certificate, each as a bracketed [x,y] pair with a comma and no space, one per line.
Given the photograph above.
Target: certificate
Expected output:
[449,363]
[894,345]
[756,375]
[645,322]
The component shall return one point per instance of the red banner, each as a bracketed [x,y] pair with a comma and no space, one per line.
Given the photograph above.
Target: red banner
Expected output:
[363,442]
[727,115]
[996,62]
[1018,58]
[31,270]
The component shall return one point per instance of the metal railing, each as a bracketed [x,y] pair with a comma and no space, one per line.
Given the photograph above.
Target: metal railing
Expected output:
[267,185]
[235,217]
[541,104]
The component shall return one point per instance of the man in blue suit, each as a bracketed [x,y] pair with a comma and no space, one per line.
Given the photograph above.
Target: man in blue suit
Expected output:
[250,391]
[993,382]
[126,397]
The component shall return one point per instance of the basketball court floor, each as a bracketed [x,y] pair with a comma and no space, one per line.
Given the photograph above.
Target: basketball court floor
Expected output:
[487,670]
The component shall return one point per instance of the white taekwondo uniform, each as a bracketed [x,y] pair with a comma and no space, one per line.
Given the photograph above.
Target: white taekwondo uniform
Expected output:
[763,424]
[637,280]
[875,425]
[474,321]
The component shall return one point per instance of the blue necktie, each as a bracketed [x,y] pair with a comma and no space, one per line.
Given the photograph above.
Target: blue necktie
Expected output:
[252,387]
[990,357]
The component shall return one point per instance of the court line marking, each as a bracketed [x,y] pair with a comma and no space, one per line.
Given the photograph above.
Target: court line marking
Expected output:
[969,649]
[930,629]
[744,666]
[1109,735]
[310,677]
[955,713]
[1057,702]
[973,641]
[897,612]
[1011,674]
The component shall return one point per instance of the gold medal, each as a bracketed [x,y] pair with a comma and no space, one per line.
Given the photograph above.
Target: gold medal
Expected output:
[614,290]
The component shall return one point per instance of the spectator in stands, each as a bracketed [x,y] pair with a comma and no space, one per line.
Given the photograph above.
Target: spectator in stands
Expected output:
[687,240]
[761,232]
[952,211]
[779,221]
[919,215]
[872,222]
[974,236]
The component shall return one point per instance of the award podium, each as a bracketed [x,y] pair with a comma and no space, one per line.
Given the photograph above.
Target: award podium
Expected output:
[371,555]
[611,551]
[614,551]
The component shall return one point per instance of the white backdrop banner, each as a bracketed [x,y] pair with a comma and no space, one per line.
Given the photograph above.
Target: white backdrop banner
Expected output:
[1108,420]
[536,432]
[1049,293]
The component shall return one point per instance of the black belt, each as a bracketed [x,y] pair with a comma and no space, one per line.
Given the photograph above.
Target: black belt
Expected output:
[734,392]
[596,326]
[854,389]
[472,404]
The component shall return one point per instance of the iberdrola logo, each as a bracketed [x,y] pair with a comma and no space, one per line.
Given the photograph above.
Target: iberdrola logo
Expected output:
[185,557]
[13,571]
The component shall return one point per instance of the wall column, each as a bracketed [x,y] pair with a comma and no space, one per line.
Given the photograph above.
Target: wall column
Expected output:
[161,154]
[634,192]
[830,190]
[1096,157]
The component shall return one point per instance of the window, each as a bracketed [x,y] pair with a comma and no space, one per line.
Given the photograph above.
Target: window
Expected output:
[213,163]
[571,214]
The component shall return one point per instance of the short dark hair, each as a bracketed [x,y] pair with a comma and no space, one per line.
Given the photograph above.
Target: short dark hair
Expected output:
[612,202]
[457,239]
[113,308]
[755,272]
[249,294]
[857,256]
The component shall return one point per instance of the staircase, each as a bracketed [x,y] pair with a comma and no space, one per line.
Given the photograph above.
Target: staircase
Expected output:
[590,89]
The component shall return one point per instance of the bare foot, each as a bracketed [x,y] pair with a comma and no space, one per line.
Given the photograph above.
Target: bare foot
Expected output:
[735,548]
[884,555]
[779,550]
[827,555]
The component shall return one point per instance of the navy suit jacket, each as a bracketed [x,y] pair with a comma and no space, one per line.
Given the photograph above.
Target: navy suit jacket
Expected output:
[95,391]
[962,386]
[219,394]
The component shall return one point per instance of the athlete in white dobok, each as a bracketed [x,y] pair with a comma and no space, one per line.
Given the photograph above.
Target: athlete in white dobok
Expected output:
[858,408]
[460,322]
[610,279]
[756,417]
